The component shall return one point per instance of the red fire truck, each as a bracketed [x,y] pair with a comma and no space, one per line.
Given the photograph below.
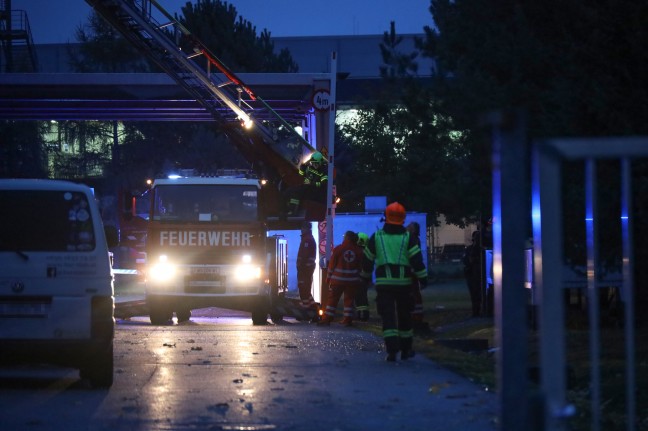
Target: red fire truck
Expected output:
[208,246]
[197,253]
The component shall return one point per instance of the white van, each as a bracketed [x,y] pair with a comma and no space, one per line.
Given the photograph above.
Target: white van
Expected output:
[56,281]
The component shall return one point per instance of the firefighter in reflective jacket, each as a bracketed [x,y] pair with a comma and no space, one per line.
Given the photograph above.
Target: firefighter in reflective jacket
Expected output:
[397,257]
[315,177]
[361,300]
[343,276]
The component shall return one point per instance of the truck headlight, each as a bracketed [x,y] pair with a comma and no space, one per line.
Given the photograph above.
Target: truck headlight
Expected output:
[163,270]
[247,271]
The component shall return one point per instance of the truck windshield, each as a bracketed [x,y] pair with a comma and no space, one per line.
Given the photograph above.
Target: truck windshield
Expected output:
[39,220]
[205,203]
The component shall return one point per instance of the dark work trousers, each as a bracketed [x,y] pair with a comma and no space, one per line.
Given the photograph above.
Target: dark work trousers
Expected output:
[304,285]
[474,283]
[394,304]
[362,302]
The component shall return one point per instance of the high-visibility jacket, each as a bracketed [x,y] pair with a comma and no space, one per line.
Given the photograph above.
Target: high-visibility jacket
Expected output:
[396,256]
[313,176]
[345,265]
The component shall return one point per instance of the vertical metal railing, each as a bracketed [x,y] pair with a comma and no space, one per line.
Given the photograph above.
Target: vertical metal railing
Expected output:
[547,220]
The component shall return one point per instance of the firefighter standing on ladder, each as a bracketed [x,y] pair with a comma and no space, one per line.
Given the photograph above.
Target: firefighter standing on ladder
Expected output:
[315,177]
[397,257]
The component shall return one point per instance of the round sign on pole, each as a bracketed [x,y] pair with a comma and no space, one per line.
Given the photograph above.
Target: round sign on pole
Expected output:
[322,100]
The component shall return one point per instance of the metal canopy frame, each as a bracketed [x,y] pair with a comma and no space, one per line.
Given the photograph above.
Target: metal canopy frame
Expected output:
[139,96]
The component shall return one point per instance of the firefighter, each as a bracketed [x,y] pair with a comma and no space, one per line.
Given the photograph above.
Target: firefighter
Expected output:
[417,312]
[343,277]
[397,257]
[313,187]
[305,268]
[361,300]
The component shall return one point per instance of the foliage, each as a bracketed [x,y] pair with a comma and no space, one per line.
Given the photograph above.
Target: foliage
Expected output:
[577,72]
[22,153]
[565,69]
[233,39]
[102,49]
[407,131]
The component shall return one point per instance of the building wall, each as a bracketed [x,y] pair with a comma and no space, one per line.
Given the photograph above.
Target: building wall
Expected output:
[446,233]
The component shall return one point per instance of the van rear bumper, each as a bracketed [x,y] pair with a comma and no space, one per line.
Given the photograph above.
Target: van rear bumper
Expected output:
[66,353]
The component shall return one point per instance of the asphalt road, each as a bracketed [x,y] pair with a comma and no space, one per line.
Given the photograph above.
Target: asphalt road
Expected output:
[218,372]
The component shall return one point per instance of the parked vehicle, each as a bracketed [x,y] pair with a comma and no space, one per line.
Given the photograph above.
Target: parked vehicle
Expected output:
[208,246]
[452,253]
[56,280]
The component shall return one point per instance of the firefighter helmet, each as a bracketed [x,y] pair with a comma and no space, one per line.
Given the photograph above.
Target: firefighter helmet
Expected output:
[395,213]
[317,157]
[363,239]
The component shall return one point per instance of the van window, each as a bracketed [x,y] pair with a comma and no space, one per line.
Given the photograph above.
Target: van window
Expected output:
[45,220]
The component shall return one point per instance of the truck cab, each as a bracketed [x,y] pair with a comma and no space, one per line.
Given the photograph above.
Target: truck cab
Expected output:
[207,246]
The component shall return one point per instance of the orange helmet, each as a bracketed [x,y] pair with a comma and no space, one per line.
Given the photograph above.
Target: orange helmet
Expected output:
[395,213]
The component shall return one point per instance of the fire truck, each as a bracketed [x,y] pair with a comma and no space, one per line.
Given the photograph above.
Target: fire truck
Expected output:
[207,246]
[208,239]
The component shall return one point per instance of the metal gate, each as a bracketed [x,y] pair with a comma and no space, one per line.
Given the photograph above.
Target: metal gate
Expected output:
[547,219]
[514,216]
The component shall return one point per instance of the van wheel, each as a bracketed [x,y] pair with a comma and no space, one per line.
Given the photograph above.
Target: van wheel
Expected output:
[99,368]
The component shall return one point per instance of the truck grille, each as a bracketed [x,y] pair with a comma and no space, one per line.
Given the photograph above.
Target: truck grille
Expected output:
[204,283]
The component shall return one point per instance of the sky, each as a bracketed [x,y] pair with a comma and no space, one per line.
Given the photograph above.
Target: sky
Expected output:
[55,21]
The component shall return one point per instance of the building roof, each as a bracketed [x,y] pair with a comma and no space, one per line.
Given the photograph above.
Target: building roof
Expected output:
[357,56]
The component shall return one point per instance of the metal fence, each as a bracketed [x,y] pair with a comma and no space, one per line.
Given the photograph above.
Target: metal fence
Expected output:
[549,408]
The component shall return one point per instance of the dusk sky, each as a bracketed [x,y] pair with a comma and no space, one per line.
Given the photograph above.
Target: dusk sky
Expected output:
[54,21]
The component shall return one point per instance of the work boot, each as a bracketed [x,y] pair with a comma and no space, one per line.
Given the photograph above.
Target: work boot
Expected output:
[347,321]
[363,315]
[391,357]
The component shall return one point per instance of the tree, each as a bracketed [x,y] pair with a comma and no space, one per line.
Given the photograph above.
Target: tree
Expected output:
[576,68]
[233,39]
[407,147]
[22,153]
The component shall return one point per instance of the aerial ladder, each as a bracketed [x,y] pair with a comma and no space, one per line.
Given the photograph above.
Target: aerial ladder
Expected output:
[264,138]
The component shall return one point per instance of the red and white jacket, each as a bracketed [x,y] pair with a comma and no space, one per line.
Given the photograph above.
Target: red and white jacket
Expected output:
[345,265]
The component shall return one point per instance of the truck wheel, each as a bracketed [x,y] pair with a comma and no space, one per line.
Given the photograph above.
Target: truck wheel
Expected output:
[160,316]
[260,316]
[99,368]
[277,310]
[183,314]
[159,313]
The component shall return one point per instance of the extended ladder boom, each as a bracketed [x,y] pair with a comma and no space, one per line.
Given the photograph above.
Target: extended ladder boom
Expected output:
[225,96]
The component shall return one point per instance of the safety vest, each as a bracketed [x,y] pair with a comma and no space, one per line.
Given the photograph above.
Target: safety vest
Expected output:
[392,255]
